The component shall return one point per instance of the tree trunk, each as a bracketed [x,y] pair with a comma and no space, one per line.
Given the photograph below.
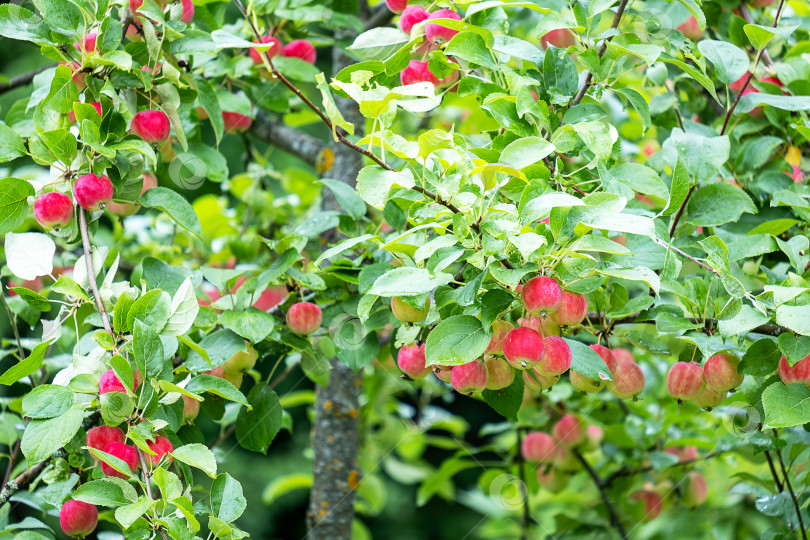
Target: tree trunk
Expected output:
[335,475]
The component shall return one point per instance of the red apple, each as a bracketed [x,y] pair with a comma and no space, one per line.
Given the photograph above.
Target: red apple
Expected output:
[88,43]
[92,192]
[235,122]
[738,85]
[78,519]
[499,331]
[53,210]
[500,373]
[304,317]
[271,297]
[469,378]
[685,381]
[556,358]
[573,309]
[411,16]
[161,446]
[72,115]
[437,33]
[562,38]
[188,11]
[411,360]
[799,373]
[538,446]
[695,491]
[396,5]
[109,382]
[628,380]
[300,48]
[127,209]
[523,348]
[653,503]
[536,381]
[568,431]
[100,436]
[443,373]
[152,126]
[191,408]
[123,452]
[690,29]
[542,294]
[720,372]
[78,77]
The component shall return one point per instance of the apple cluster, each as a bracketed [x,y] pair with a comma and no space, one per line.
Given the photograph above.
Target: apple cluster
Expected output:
[300,48]
[708,385]
[533,348]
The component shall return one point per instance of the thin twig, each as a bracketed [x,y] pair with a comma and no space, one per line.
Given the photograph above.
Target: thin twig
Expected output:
[790,487]
[680,210]
[22,80]
[767,329]
[775,476]
[11,460]
[524,535]
[750,74]
[614,518]
[647,468]
[684,254]
[91,274]
[147,476]
[589,76]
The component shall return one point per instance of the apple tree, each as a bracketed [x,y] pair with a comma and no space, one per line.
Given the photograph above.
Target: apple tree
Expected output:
[538,260]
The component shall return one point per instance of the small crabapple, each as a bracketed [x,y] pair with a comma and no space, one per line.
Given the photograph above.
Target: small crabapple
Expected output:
[542,294]
[92,192]
[411,361]
[499,331]
[572,310]
[411,16]
[404,312]
[160,446]
[152,126]
[123,452]
[500,374]
[523,347]
[720,372]
[568,431]
[78,519]
[304,317]
[300,48]
[538,446]
[685,381]
[437,33]
[53,210]
[469,378]
[556,358]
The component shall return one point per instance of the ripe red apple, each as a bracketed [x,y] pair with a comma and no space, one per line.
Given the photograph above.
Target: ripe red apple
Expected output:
[188,11]
[621,354]
[396,5]
[606,355]
[572,310]
[544,325]
[300,48]
[542,294]
[469,378]
[628,380]
[152,126]
[405,313]
[123,452]
[538,446]
[499,331]
[160,446]
[100,436]
[134,5]
[542,383]
[439,34]
[304,317]
[720,372]
[695,491]
[562,38]
[88,43]
[417,72]
[273,51]
[53,210]
[737,85]
[443,373]
[411,16]
[236,122]
[78,519]
[232,377]
[271,297]
[523,347]
[127,209]
[191,408]
[109,382]
[568,431]
[653,503]
[92,192]
[799,373]
[500,373]
[411,360]
[690,29]
[557,357]
[685,381]
[78,77]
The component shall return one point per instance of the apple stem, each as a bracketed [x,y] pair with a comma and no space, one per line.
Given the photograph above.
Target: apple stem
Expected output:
[91,274]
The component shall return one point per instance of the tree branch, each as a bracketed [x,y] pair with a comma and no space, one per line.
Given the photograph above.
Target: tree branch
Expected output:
[614,518]
[22,80]
[289,139]
[91,274]
[380,17]
[767,329]
[589,76]
[750,73]
[681,208]
[772,468]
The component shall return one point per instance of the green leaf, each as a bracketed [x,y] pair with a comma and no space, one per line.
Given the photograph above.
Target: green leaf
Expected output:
[730,62]
[42,438]
[175,205]
[152,309]
[456,340]
[281,485]
[787,103]
[342,246]
[586,362]
[29,255]
[11,147]
[702,156]
[408,281]
[109,491]
[378,43]
[794,348]
[717,204]
[597,136]
[127,515]
[252,324]
[537,207]
[18,23]
[346,197]
[116,407]
[797,318]
[25,367]
[506,402]
[256,428]
[761,358]
[219,346]
[526,151]
[184,310]
[786,405]
[472,47]
[63,92]
[148,349]
[215,385]
[33,299]
[198,456]
[227,499]
[374,183]
[47,401]
[208,99]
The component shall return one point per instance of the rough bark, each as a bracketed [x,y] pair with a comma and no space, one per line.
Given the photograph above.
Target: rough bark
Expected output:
[289,139]
[334,433]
